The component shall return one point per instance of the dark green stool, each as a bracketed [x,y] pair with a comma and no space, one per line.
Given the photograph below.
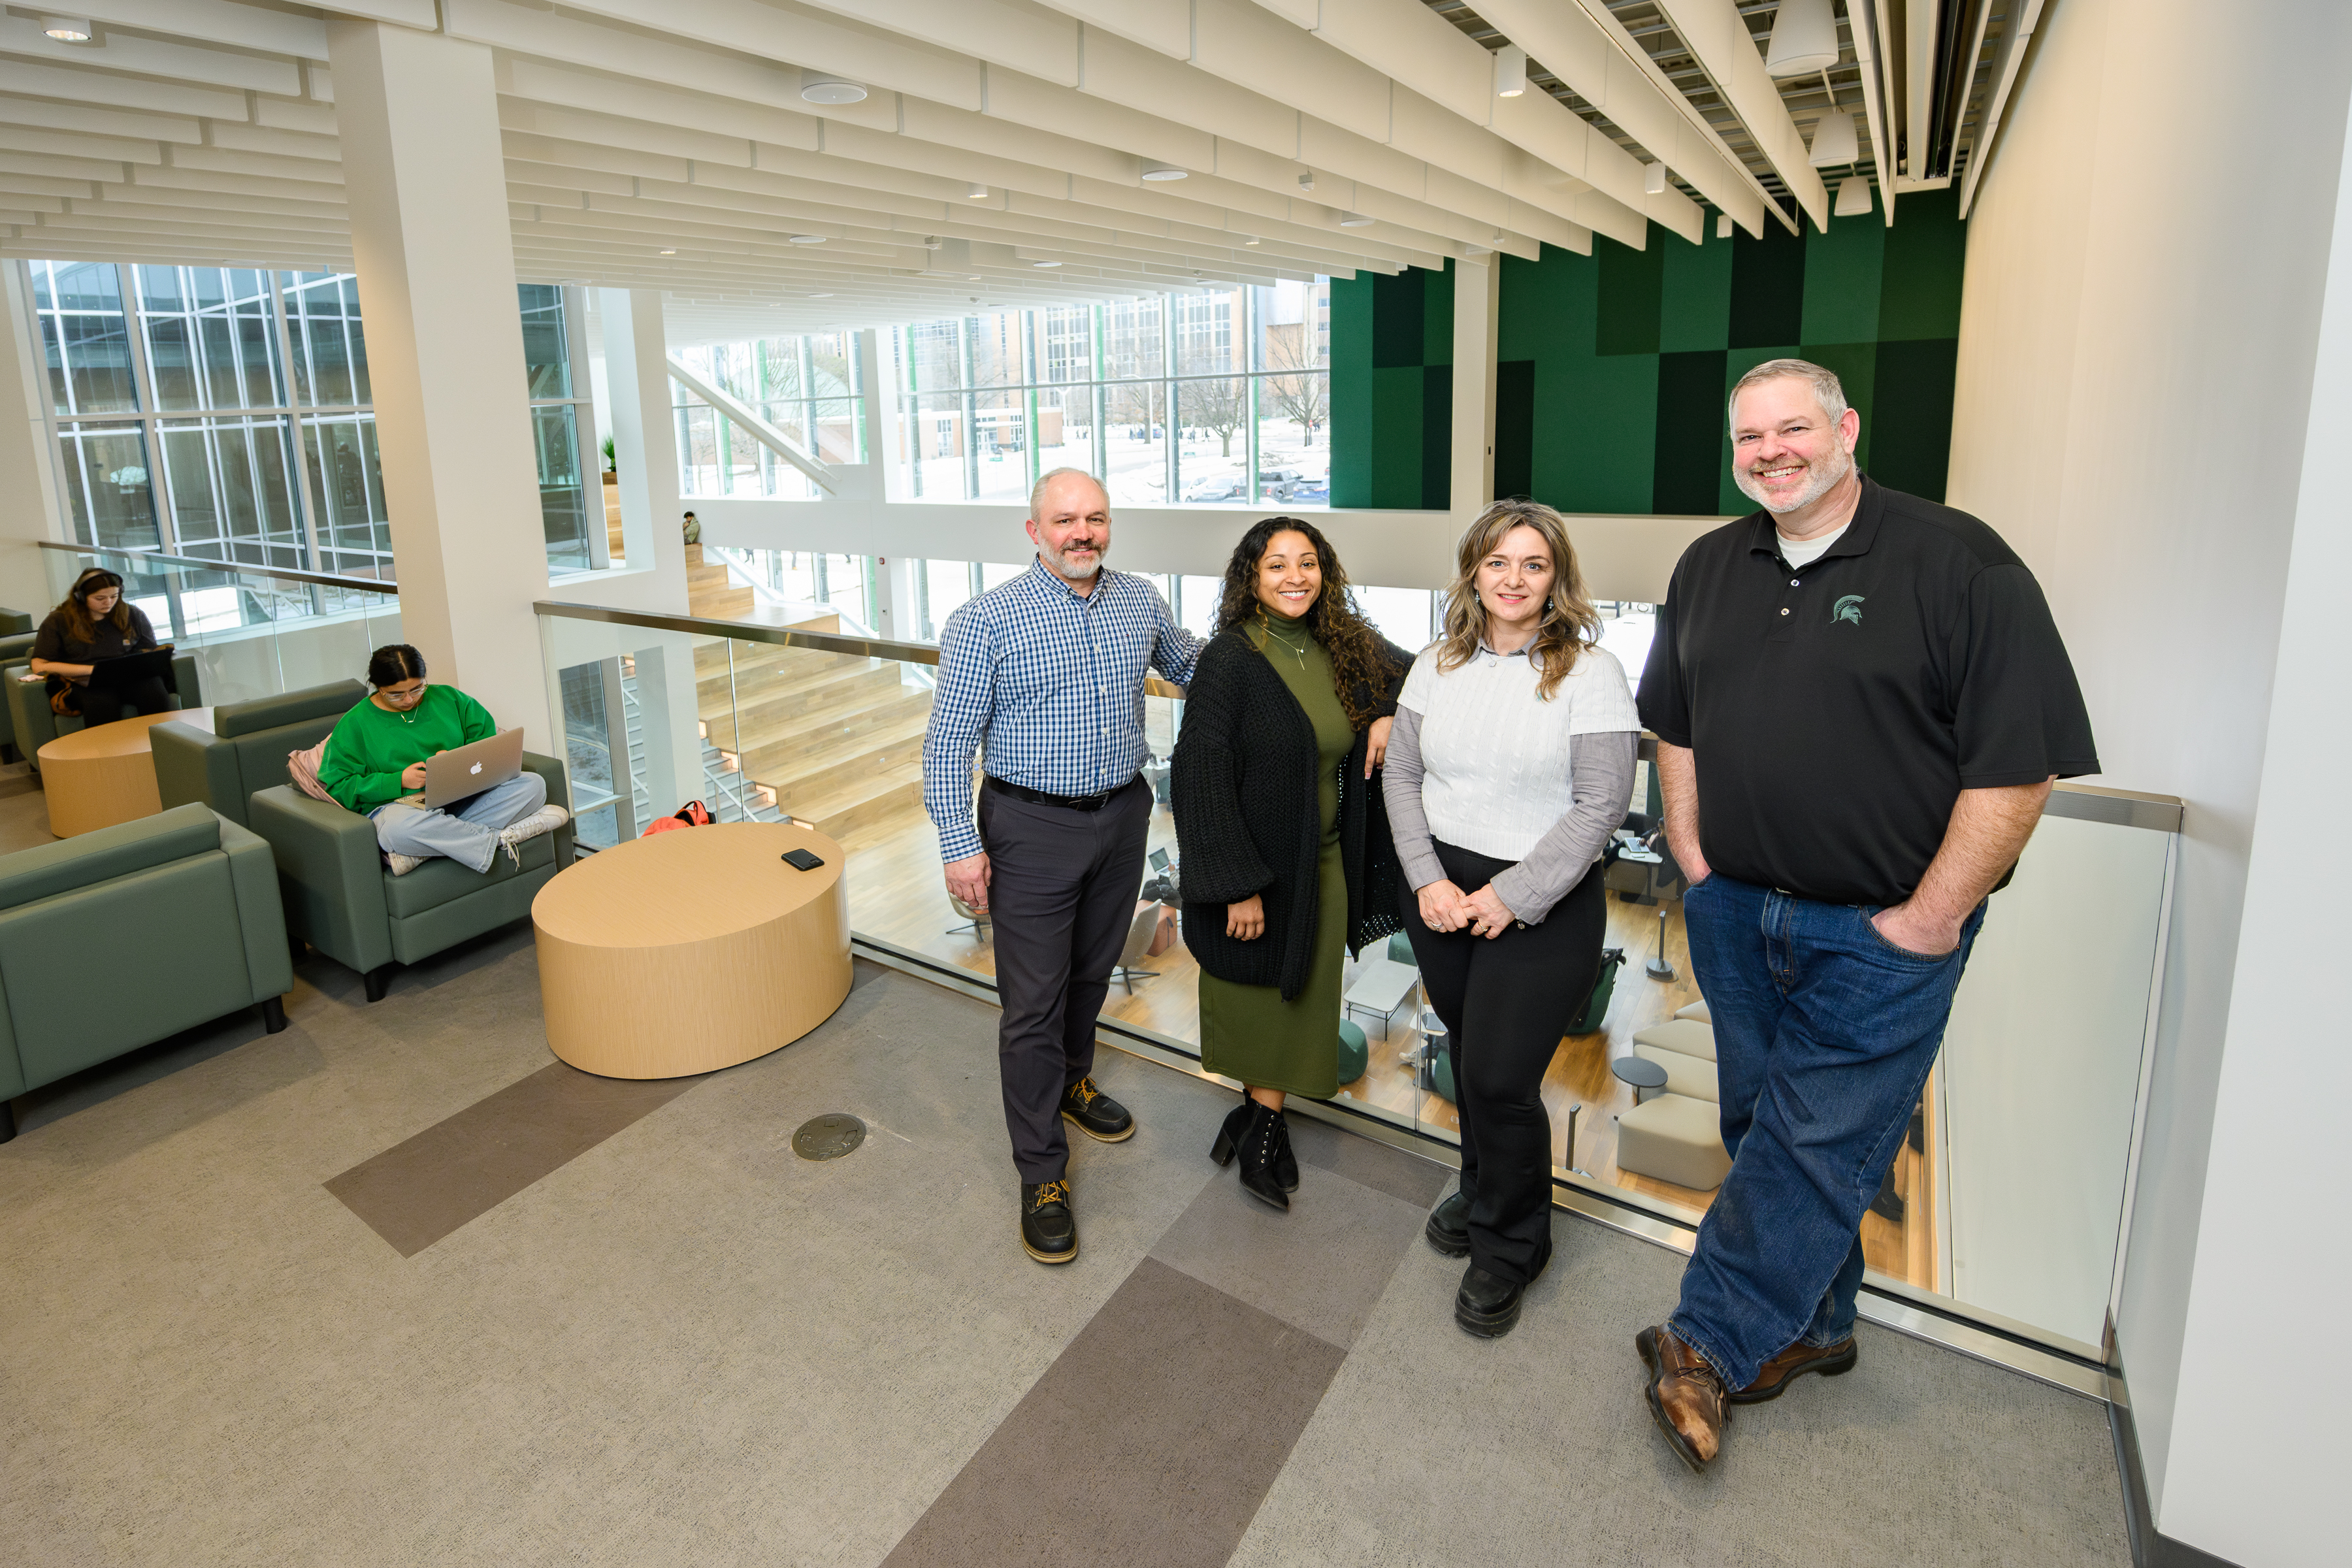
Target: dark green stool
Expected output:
[1355,1054]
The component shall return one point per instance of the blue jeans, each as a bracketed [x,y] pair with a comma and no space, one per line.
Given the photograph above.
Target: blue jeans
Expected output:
[470,834]
[1824,1032]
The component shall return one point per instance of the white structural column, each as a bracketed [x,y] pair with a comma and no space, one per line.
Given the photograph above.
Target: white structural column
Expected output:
[897,599]
[1477,300]
[645,448]
[28,492]
[430,242]
[669,708]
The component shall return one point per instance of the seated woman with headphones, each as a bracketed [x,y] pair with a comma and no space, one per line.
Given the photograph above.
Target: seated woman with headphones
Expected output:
[96,622]
[377,752]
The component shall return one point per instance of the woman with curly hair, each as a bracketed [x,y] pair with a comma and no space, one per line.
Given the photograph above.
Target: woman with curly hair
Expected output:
[1512,764]
[1285,842]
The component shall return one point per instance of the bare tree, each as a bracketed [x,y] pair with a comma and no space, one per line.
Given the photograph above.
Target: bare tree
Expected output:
[1221,406]
[1304,395]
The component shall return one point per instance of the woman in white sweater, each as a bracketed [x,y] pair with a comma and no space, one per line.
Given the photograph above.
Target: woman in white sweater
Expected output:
[1510,764]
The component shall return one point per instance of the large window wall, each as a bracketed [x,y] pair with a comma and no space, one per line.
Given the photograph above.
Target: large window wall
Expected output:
[225,413]
[806,387]
[1221,395]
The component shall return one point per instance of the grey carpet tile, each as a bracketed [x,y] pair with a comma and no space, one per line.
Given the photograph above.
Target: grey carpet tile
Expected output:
[461,1167]
[1147,1445]
[1407,1177]
[685,1344]
[1321,1265]
[1433,1447]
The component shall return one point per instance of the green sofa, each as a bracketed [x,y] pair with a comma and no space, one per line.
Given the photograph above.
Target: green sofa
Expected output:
[246,752]
[342,900]
[187,906]
[34,726]
[15,647]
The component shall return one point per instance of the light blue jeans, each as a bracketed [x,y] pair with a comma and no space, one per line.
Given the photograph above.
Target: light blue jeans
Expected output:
[470,834]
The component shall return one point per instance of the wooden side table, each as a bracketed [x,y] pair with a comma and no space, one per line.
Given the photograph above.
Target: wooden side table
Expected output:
[691,951]
[98,777]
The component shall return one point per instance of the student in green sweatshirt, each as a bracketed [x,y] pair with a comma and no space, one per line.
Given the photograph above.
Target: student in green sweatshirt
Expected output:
[377,754]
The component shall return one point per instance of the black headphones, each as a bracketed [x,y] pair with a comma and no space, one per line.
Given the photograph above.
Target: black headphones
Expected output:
[96,580]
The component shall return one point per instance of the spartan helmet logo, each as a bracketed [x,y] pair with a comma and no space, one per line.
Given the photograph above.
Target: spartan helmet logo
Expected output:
[1848,608]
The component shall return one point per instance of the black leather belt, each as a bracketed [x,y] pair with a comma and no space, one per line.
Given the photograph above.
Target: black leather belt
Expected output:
[1066,802]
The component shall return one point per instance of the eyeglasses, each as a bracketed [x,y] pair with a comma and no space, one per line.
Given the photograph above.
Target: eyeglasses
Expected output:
[411,695]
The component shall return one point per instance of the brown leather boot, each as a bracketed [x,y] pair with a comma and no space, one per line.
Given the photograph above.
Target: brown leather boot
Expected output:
[1685,1396]
[1773,1377]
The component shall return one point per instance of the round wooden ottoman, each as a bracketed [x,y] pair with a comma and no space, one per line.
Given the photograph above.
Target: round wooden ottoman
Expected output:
[97,777]
[691,951]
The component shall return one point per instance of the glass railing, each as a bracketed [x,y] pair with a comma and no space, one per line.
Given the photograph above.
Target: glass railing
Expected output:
[254,631]
[2004,1206]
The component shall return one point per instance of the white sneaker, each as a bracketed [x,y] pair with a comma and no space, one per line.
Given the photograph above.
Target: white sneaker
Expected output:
[402,865]
[546,819]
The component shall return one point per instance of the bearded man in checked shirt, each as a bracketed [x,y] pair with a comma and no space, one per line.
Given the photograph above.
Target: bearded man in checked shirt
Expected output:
[1046,672]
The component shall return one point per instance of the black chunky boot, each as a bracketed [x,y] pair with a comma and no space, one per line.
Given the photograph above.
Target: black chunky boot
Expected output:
[1285,1160]
[1261,1148]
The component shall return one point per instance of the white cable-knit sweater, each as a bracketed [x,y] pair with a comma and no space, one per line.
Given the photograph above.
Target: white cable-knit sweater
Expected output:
[1495,757]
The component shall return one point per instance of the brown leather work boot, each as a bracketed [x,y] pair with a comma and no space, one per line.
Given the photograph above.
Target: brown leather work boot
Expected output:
[1773,1377]
[1685,1396]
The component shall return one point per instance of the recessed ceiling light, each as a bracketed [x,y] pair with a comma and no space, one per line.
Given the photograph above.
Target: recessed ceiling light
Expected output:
[819,296]
[1044,264]
[1510,71]
[816,88]
[669,253]
[979,193]
[66,29]
[804,239]
[1252,239]
[973,278]
[1162,172]
[1354,220]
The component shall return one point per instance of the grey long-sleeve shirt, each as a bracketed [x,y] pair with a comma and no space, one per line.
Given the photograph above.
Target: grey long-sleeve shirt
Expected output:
[1601,773]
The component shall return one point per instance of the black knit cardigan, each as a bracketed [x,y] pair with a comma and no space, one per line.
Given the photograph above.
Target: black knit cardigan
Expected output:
[1247,819]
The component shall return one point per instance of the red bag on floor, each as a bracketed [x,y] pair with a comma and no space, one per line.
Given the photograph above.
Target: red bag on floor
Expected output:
[693,813]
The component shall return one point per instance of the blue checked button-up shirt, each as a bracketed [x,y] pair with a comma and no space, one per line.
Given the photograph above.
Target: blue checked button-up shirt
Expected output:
[1054,683]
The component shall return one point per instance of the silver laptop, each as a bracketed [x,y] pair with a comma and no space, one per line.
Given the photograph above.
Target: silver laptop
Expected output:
[471,769]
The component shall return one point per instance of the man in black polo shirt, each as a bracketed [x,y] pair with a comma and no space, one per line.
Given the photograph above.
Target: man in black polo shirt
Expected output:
[1861,703]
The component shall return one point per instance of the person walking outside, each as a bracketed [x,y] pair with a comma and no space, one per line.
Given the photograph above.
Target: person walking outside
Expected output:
[1511,764]
[1283,835]
[1047,670]
[1861,702]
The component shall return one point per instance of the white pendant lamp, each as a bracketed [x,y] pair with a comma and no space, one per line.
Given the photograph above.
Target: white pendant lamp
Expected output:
[1654,178]
[1854,197]
[1510,71]
[1834,140]
[1804,38]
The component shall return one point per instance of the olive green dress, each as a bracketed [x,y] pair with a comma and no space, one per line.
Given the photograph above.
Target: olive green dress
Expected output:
[1249,1032]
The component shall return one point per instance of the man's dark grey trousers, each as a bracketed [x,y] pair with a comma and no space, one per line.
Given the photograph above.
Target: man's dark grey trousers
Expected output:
[1061,892]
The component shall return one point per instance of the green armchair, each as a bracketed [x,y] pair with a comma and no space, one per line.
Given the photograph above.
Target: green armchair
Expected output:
[16,623]
[28,703]
[246,752]
[343,901]
[187,901]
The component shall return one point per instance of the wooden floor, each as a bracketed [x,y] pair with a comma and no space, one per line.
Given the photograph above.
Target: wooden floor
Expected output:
[896,896]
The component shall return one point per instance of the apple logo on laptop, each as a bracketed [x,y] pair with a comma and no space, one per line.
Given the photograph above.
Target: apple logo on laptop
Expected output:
[474,769]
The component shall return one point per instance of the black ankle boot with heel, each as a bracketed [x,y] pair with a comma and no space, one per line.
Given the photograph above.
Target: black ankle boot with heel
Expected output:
[1229,1142]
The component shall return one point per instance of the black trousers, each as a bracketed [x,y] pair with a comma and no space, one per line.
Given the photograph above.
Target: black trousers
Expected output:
[104,705]
[1061,893]
[1505,1002]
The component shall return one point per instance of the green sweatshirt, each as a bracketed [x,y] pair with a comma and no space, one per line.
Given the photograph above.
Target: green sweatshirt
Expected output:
[370,747]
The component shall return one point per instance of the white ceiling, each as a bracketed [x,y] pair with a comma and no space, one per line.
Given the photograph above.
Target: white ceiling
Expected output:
[203,131]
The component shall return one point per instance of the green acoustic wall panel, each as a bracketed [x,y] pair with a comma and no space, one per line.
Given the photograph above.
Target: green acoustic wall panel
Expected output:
[1630,286]
[1392,389]
[1768,286]
[1615,366]
[1515,427]
[1690,389]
